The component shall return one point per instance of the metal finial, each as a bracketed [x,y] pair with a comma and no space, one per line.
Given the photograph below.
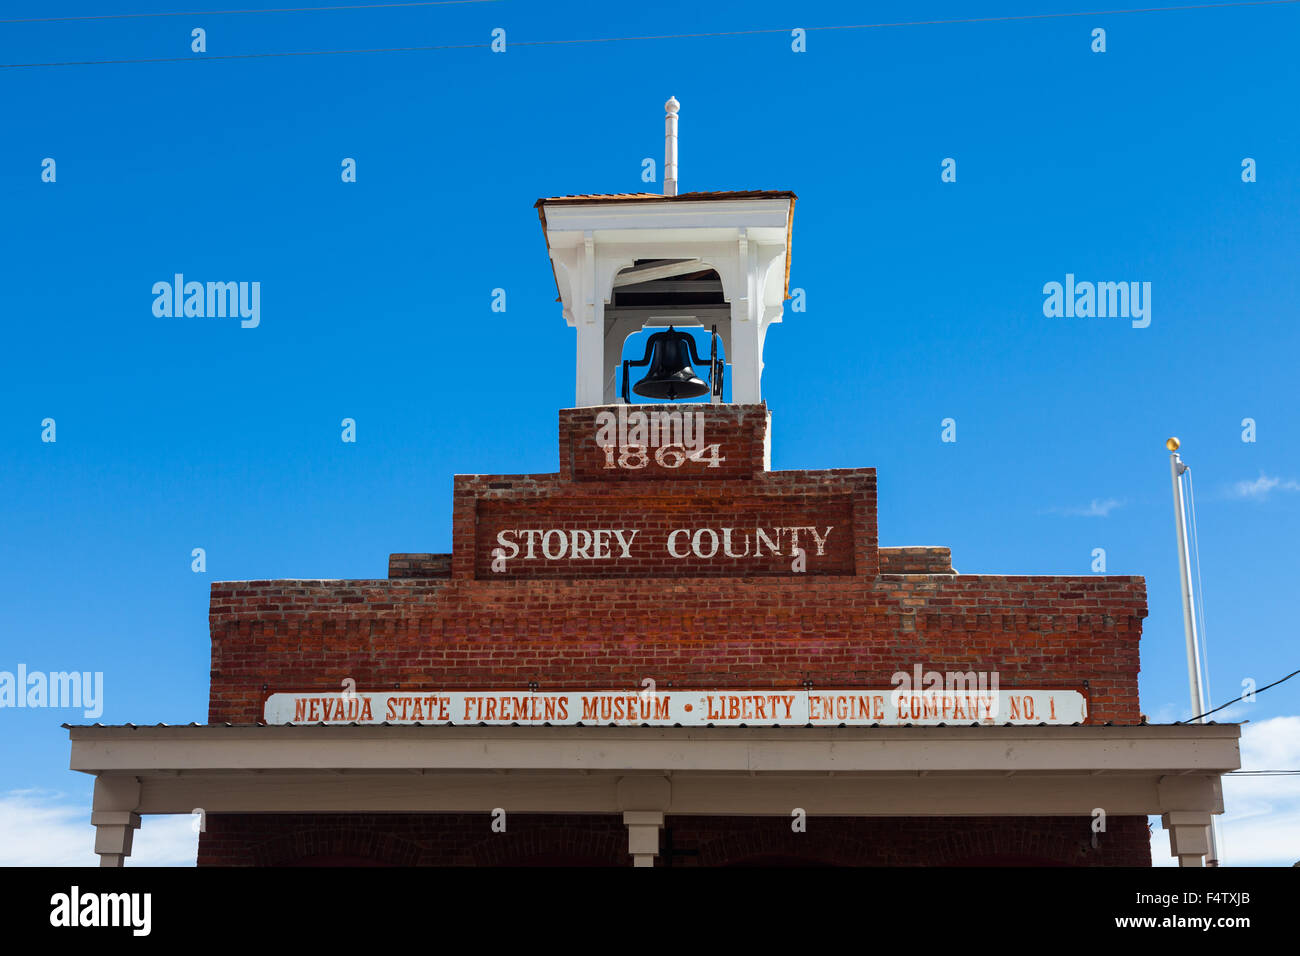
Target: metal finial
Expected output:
[670,146]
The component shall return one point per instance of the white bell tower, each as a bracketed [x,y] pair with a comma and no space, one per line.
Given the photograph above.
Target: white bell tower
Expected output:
[628,261]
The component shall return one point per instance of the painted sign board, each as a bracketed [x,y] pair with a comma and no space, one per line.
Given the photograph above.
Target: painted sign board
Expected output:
[811,534]
[687,708]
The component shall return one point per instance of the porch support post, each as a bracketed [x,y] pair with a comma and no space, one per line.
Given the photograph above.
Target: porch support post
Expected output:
[1189,835]
[114,817]
[643,828]
[643,799]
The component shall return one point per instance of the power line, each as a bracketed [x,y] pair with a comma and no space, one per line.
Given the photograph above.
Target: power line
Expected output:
[252,56]
[222,13]
[1242,697]
[663,36]
[1263,773]
[927,23]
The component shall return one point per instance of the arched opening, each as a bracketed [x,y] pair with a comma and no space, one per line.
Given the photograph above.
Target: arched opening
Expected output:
[648,297]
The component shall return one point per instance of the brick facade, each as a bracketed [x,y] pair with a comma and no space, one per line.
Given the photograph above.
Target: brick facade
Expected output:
[854,617]
[742,430]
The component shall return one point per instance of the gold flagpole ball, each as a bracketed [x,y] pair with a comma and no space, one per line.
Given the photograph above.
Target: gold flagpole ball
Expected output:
[1172,444]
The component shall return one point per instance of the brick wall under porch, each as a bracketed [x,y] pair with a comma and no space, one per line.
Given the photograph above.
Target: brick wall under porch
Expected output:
[403,839]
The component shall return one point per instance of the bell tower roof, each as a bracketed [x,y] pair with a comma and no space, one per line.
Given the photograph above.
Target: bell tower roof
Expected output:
[724,195]
[680,197]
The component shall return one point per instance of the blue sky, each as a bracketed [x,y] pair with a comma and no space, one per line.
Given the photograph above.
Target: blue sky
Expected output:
[924,302]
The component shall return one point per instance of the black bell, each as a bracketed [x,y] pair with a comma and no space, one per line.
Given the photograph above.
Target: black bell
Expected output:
[670,376]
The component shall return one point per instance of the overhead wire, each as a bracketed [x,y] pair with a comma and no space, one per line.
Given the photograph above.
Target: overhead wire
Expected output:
[1262,773]
[625,39]
[1235,700]
[223,13]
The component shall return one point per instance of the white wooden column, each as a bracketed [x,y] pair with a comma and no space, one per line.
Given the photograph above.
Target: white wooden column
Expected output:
[1189,835]
[644,798]
[589,318]
[115,818]
[643,828]
[746,344]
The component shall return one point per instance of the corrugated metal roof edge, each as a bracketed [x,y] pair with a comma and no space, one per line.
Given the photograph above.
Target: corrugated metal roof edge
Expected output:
[680,197]
[1208,723]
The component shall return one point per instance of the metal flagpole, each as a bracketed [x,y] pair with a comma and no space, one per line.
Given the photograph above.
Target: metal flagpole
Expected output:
[1176,469]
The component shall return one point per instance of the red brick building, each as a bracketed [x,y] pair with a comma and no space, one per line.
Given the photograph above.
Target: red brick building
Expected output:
[667,653]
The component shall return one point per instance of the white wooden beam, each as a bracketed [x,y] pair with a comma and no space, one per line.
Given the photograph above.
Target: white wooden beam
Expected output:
[1201,748]
[664,270]
[734,794]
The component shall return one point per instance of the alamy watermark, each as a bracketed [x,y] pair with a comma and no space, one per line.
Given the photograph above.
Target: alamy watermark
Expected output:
[126,910]
[212,300]
[670,437]
[1102,300]
[84,689]
[918,681]
[953,695]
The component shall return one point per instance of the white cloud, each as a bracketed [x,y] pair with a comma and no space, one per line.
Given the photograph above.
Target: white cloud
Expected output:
[1260,825]
[1259,489]
[46,828]
[1097,508]
[1169,714]
[36,829]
